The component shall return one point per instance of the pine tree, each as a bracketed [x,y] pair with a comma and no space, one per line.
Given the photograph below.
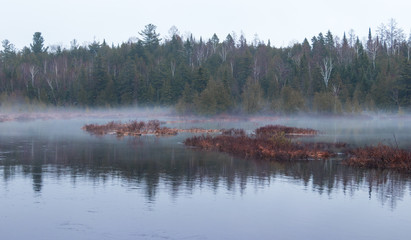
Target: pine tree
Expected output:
[150,38]
[126,82]
[404,85]
[100,79]
[38,43]
[200,80]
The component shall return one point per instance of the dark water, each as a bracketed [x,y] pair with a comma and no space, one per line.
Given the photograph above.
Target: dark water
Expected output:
[58,182]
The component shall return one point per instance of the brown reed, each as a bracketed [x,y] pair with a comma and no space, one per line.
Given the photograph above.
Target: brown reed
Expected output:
[269,143]
[138,128]
[380,157]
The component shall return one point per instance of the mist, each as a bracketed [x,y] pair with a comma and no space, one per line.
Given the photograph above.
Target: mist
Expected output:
[359,129]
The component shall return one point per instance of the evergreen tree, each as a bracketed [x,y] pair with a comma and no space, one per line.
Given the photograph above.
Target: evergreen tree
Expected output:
[126,84]
[292,100]
[404,85]
[252,96]
[178,71]
[150,38]
[38,43]
[100,81]
[213,100]
[200,80]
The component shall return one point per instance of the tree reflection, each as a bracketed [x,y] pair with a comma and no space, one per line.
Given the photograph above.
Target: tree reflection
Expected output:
[146,163]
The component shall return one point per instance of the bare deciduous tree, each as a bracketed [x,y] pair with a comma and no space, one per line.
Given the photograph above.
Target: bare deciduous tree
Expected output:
[394,35]
[173,67]
[326,70]
[391,35]
[256,70]
[33,72]
[200,52]
[409,47]
[395,97]
[372,50]
[281,72]
[223,52]
[335,91]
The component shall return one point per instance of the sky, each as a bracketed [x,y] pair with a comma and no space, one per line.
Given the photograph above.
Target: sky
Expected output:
[116,21]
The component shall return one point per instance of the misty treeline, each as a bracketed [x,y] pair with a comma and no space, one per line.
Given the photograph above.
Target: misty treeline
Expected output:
[325,74]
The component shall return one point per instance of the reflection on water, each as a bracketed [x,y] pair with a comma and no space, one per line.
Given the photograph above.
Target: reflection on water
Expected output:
[143,163]
[62,183]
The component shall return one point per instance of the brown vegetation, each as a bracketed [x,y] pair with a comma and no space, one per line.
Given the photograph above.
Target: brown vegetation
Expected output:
[270,130]
[132,128]
[138,128]
[258,148]
[233,132]
[270,143]
[380,157]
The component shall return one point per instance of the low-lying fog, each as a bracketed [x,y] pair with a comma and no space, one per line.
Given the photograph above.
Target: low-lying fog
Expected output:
[365,129]
[66,183]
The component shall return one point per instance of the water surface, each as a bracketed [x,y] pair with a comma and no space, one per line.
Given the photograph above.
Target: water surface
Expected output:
[58,182]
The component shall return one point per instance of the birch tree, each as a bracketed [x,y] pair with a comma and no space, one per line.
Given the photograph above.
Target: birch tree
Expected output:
[394,35]
[326,70]
[391,35]
[223,52]
[408,47]
[372,47]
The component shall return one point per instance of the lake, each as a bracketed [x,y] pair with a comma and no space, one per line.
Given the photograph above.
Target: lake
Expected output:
[59,182]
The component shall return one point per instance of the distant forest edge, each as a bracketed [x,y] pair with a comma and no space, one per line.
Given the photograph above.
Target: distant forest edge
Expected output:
[327,74]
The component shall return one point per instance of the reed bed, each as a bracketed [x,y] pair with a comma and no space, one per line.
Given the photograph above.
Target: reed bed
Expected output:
[132,128]
[380,157]
[270,130]
[138,128]
[233,132]
[269,143]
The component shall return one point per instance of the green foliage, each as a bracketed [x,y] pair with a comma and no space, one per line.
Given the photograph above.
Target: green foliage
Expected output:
[292,100]
[213,100]
[177,72]
[186,103]
[101,79]
[150,37]
[200,80]
[403,87]
[126,82]
[280,139]
[38,43]
[252,96]
[323,102]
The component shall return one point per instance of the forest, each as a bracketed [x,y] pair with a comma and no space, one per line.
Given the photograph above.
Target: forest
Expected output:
[322,74]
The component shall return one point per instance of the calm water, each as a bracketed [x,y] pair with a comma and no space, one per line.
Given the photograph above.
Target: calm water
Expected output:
[58,182]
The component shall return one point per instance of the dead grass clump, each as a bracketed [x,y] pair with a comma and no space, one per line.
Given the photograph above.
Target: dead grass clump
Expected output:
[272,130]
[153,125]
[257,148]
[102,129]
[199,130]
[132,128]
[380,157]
[136,128]
[270,142]
[233,132]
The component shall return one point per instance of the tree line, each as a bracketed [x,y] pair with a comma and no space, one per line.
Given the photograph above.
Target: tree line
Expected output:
[325,74]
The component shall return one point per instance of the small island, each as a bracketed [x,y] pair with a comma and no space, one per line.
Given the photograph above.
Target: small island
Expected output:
[270,142]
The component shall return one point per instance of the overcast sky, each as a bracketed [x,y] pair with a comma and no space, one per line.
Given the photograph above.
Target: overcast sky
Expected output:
[283,22]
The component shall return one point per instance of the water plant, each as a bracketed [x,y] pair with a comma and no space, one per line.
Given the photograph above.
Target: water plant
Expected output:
[269,143]
[380,157]
[138,128]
